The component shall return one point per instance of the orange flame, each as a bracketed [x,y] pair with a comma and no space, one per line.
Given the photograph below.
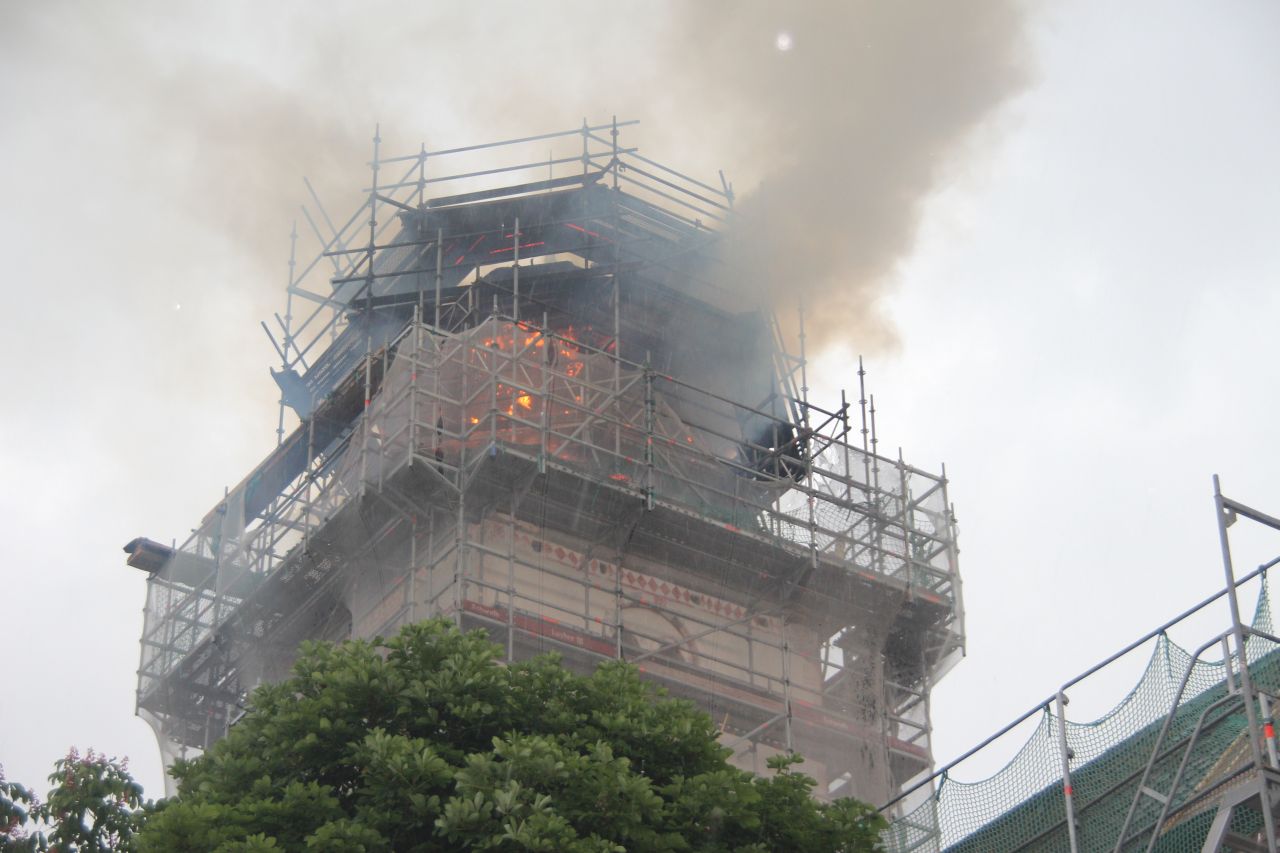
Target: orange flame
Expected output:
[562,355]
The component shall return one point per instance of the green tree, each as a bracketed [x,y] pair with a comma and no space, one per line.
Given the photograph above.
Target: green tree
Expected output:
[16,803]
[426,742]
[95,805]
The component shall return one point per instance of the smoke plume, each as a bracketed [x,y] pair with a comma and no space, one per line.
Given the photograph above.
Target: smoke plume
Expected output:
[848,114]
[836,118]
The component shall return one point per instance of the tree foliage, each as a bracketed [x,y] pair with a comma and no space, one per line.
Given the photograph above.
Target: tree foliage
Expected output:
[426,742]
[95,805]
[16,803]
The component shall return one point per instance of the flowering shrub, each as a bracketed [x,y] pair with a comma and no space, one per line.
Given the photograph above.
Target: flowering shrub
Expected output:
[94,806]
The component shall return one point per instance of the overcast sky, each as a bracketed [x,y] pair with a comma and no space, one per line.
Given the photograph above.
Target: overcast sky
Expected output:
[1072,303]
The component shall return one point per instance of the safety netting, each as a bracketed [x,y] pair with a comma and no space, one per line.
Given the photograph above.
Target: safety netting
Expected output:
[1203,749]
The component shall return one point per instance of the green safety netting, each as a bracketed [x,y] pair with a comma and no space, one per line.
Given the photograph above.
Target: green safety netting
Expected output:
[1022,807]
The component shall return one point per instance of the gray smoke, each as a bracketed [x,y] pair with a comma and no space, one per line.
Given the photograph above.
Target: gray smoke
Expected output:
[835,143]
[849,115]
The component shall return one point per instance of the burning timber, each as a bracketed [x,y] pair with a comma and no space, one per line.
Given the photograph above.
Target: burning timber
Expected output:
[533,406]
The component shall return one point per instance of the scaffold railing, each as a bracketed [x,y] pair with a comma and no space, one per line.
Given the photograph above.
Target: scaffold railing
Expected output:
[527,402]
[365,254]
[1184,762]
[448,401]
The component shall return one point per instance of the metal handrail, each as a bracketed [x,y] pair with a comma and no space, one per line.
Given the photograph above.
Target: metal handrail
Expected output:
[1043,705]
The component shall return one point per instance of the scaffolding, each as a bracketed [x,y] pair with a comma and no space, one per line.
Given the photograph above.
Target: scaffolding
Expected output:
[1186,762]
[531,405]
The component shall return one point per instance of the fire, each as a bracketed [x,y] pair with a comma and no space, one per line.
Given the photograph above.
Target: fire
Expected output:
[556,356]
[564,350]
[570,353]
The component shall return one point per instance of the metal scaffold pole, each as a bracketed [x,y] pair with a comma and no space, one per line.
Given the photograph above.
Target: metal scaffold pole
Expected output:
[439,274]
[511,579]
[1064,753]
[1226,517]
[288,323]
[788,711]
